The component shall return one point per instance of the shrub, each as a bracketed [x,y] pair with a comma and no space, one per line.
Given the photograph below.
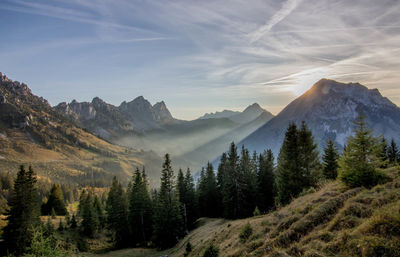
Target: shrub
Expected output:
[211,251]
[256,212]
[43,245]
[246,232]
[188,249]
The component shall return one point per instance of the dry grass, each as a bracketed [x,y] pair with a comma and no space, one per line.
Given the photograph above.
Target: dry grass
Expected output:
[335,221]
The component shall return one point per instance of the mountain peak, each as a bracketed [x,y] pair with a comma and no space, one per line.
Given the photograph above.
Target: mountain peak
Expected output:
[329,108]
[254,107]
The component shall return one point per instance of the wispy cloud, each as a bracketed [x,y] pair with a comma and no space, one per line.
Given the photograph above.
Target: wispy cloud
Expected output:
[286,9]
[236,53]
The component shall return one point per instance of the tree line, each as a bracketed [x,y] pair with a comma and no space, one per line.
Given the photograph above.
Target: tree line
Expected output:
[244,184]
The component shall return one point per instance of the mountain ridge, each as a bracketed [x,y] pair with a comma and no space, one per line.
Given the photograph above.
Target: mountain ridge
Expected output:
[329,108]
[60,151]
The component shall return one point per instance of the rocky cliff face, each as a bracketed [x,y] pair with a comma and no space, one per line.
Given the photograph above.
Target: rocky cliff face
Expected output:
[330,109]
[109,121]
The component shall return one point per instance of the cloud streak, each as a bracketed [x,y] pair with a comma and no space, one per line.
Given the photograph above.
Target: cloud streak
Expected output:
[233,55]
[286,9]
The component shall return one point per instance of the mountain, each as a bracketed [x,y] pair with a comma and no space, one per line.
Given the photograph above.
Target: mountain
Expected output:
[217,115]
[33,132]
[207,151]
[330,108]
[249,114]
[140,125]
[109,121]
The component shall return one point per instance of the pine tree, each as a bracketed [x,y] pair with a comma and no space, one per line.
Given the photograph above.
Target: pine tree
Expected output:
[230,184]
[298,163]
[88,214]
[247,185]
[201,193]
[140,209]
[210,194]
[357,166]
[190,200]
[393,153]
[266,178]
[168,224]
[289,174]
[23,214]
[309,157]
[117,214]
[330,160]
[99,212]
[187,199]
[383,154]
[221,182]
[55,201]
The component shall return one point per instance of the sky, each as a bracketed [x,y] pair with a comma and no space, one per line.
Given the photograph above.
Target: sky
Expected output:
[198,56]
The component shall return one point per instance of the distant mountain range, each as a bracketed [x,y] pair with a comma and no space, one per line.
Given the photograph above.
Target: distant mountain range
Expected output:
[110,121]
[330,108]
[249,114]
[34,133]
[64,140]
[141,125]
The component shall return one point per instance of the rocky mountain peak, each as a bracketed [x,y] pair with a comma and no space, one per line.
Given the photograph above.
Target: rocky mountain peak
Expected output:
[330,108]
[254,108]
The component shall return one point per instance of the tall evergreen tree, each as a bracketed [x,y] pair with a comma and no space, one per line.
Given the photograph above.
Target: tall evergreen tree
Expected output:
[289,174]
[247,185]
[23,214]
[230,184]
[99,212]
[117,211]
[168,223]
[330,160]
[383,154]
[357,166]
[190,200]
[298,163]
[55,201]
[221,182]
[140,209]
[393,153]
[187,198]
[210,193]
[309,157]
[266,178]
[88,214]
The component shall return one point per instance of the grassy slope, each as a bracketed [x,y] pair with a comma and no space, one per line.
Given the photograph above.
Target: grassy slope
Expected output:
[65,163]
[335,221]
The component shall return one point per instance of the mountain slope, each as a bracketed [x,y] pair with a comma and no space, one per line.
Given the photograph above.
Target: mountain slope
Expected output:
[207,152]
[32,132]
[334,221]
[329,108]
[247,115]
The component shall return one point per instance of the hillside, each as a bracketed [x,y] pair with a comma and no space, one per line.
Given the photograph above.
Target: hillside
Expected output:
[32,132]
[329,108]
[334,221]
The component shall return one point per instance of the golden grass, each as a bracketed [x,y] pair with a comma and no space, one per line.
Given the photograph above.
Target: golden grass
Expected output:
[334,221]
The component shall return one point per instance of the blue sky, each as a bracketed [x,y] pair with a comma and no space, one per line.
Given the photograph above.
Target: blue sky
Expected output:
[198,56]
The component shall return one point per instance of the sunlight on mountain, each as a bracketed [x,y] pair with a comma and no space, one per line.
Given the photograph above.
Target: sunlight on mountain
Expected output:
[305,80]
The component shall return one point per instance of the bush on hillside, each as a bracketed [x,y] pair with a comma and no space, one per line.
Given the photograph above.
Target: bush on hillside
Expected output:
[246,232]
[211,251]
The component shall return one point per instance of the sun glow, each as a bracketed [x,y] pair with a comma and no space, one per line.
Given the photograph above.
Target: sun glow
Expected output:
[306,79]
